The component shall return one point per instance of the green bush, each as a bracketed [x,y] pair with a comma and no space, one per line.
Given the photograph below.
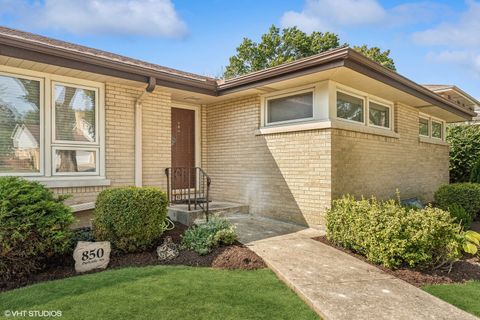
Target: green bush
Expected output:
[475,172]
[464,150]
[394,236]
[131,218]
[206,236]
[466,195]
[460,215]
[34,225]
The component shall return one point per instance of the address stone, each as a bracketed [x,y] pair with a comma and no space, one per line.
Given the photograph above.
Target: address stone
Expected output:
[91,255]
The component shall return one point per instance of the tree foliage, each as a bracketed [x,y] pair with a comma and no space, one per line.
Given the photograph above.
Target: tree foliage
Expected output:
[376,54]
[281,46]
[464,151]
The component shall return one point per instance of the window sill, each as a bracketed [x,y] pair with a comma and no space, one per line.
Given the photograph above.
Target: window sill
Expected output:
[359,127]
[304,126]
[327,124]
[432,141]
[72,182]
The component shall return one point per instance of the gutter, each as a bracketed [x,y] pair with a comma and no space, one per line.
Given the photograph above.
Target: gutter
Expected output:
[138,131]
[39,51]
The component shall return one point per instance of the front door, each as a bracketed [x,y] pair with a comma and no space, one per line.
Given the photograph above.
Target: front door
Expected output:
[183,148]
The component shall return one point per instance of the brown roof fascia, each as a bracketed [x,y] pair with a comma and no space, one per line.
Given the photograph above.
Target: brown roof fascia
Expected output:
[319,62]
[22,49]
[361,64]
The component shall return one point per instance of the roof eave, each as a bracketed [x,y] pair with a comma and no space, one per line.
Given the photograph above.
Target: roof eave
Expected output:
[34,51]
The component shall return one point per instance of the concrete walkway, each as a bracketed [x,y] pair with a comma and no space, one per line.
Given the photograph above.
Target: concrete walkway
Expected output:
[335,284]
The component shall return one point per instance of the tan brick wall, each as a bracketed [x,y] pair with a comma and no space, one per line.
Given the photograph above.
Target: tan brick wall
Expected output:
[120,140]
[366,164]
[285,176]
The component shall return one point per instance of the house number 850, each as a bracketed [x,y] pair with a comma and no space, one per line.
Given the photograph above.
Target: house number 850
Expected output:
[92,254]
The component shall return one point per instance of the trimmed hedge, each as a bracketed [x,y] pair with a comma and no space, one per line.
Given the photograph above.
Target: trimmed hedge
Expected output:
[392,235]
[465,195]
[34,225]
[131,218]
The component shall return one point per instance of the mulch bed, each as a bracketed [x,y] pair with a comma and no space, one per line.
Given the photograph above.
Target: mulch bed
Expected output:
[236,256]
[468,268]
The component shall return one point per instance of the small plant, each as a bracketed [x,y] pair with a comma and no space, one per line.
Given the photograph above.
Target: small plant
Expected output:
[131,218]
[392,235]
[466,195]
[34,225]
[206,236]
[471,242]
[460,215]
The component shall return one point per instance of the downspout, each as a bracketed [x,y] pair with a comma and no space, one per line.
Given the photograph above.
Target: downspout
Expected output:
[138,132]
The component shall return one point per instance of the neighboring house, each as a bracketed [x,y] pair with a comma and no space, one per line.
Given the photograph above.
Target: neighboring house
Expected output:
[26,145]
[285,140]
[459,97]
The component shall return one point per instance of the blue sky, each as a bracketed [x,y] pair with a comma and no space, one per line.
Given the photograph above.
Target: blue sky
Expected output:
[431,41]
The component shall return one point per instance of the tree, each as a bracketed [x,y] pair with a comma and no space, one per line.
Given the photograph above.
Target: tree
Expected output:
[376,54]
[281,46]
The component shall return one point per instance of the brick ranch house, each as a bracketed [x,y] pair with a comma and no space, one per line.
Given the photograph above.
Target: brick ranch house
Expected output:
[285,141]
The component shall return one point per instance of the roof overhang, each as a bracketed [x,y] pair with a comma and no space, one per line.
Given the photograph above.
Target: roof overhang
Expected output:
[21,48]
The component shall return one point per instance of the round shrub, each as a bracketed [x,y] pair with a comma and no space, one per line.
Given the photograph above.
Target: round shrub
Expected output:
[465,195]
[130,218]
[392,235]
[34,225]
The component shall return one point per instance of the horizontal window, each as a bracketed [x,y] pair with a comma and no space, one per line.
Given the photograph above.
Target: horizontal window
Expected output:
[379,115]
[75,161]
[423,127]
[350,107]
[437,130]
[290,108]
[20,141]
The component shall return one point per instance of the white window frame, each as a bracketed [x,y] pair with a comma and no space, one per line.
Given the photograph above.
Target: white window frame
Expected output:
[430,120]
[53,111]
[355,95]
[97,157]
[42,125]
[284,95]
[48,144]
[428,127]
[390,114]
[431,129]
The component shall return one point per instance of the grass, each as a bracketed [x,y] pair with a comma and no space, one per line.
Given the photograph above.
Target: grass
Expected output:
[465,296]
[163,292]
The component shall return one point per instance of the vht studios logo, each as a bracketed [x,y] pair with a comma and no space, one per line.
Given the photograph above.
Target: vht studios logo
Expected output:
[32,313]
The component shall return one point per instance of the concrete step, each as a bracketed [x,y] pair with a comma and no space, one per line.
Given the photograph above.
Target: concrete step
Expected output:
[180,213]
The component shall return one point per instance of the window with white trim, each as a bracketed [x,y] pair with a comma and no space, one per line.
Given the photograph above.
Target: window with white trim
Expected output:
[74,119]
[49,128]
[430,127]
[437,129]
[350,107]
[290,108]
[379,115]
[423,127]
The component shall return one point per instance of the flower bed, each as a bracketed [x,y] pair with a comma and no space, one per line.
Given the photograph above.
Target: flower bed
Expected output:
[236,256]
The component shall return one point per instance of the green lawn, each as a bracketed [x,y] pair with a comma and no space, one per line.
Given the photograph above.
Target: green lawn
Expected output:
[163,292]
[465,296]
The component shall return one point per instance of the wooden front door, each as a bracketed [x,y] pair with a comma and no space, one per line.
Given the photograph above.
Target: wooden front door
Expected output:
[183,148]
